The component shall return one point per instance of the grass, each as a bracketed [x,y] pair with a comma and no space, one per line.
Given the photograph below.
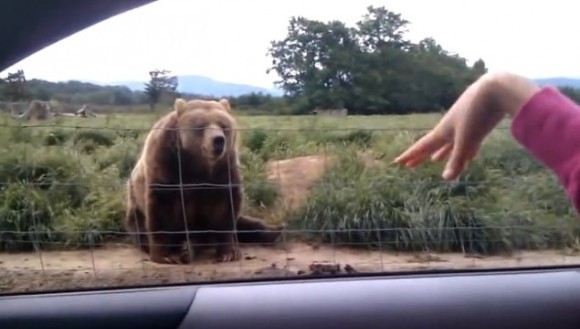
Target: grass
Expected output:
[62,187]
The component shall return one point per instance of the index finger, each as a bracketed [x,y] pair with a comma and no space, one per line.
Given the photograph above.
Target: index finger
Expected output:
[421,149]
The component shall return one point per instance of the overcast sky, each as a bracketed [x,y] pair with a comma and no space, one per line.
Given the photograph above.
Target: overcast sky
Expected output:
[228,39]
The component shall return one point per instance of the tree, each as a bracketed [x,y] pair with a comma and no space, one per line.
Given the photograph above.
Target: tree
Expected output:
[13,88]
[571,92]
[380,28]
[479,68]
[160,83]
[314,62]
[371,68]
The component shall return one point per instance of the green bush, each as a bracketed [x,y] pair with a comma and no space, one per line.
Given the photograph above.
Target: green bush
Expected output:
[95,137]
[259,191]
[26,218]
[404,210]
[123,156]
[362,138]
[56,137]
[256,139]
[50,197]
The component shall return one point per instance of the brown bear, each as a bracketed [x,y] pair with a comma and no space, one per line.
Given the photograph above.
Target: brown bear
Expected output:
[196,144]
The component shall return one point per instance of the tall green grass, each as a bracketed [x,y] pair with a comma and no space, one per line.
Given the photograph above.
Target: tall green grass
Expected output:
[62,187]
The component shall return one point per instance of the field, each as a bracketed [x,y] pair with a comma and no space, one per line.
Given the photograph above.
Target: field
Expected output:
[328,178]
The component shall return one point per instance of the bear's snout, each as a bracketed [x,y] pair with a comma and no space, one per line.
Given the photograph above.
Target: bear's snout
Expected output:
[218,144]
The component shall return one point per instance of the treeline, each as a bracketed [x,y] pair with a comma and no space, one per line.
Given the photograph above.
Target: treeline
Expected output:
[159,90]
[369,68]
[15,87]
[573,93]
[78,92]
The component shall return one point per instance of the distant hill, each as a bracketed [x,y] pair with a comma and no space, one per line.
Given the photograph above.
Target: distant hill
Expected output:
[559,82]
[201,85]
[126,92]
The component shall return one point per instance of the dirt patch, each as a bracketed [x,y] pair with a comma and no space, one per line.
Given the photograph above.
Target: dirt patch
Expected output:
[120,265]
[296,176]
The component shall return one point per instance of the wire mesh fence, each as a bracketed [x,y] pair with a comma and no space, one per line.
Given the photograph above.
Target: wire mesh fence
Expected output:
[302,196]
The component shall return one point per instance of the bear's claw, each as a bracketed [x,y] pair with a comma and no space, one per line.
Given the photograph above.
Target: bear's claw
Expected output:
[175,259]
[231,255]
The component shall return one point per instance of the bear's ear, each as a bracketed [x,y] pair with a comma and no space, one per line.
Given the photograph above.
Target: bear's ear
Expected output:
[226,104]
[179,105]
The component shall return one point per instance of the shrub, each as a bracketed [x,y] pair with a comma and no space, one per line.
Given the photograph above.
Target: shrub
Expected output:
[94,137]
[122,155]
[255,140]
[47,192]
[56,137]
[362,138]
[414,210]
[259,191]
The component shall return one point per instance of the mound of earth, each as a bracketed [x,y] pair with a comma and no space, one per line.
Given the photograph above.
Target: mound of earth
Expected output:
[295,177]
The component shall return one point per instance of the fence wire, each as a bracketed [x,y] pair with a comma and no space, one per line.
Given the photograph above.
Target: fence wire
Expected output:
[344,207]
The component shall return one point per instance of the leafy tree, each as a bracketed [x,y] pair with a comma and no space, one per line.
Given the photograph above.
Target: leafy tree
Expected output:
[571,92]
[380,28]
[160,83]
[371,68]
[13,88]
[479,67]
[315,62]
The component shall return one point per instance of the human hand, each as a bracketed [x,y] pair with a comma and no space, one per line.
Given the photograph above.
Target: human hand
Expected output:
[458,135]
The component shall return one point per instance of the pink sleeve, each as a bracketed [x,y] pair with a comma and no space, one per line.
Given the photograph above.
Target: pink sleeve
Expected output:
[548,126]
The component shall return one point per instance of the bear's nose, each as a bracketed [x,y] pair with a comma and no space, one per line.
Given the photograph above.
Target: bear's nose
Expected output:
[218,144]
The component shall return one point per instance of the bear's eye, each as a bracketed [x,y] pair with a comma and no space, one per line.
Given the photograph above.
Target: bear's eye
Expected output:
[198,127]
[224,127]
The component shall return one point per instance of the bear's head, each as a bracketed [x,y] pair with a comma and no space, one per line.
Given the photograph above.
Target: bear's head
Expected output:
[207,128]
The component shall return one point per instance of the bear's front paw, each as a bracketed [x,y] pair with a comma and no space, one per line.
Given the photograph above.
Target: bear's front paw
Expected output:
[183,258]
[273,233]
[228,254]
[175,259]
[159,259]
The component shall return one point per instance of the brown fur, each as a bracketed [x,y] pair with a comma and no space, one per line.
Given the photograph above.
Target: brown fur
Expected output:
[160,208]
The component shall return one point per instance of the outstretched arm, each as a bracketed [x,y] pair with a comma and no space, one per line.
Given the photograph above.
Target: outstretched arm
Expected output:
[548,126]
[545,122]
